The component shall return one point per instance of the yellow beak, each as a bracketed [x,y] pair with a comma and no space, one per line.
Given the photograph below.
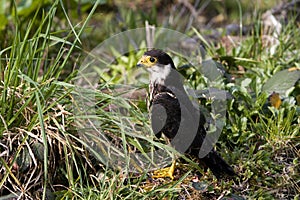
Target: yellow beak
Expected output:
[143,62]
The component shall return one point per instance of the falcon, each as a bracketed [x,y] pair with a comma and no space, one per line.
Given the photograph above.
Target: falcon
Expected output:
[174,115]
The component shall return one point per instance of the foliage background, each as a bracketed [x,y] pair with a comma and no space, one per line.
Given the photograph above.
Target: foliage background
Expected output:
[42,44]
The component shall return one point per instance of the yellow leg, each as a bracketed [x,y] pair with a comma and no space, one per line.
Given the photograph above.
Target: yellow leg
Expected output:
[166,172]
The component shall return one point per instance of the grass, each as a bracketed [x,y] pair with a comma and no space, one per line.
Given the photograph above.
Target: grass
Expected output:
[44,155]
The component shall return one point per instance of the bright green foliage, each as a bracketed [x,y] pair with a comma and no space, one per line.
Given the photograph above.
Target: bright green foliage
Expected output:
[42,43]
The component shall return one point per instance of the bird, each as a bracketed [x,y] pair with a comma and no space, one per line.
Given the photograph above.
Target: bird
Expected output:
[174,115]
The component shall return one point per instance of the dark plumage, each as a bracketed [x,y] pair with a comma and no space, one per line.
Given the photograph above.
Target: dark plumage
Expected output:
[173,114]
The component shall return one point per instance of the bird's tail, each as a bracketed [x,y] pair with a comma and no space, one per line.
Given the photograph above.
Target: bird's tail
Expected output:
[218,165]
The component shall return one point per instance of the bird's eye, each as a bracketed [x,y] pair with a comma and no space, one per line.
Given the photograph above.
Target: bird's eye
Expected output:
[152,59]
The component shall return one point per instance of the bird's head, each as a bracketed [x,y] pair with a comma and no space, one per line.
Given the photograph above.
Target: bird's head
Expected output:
[158,63]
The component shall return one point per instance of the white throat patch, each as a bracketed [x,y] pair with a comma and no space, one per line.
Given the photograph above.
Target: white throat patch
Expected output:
[159,73]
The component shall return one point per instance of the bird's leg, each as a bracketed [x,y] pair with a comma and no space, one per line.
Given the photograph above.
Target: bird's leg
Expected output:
[166,172]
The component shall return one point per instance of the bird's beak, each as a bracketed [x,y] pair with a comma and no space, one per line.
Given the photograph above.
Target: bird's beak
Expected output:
[142,62]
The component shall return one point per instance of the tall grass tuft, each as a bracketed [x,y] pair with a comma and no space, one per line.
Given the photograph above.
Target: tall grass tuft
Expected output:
[36,151]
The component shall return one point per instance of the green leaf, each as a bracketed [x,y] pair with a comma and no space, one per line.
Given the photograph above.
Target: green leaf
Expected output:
[3,22]
[281,82]
[26,7]
[4,6]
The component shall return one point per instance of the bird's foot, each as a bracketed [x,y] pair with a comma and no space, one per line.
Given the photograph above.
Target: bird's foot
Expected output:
[166,172]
